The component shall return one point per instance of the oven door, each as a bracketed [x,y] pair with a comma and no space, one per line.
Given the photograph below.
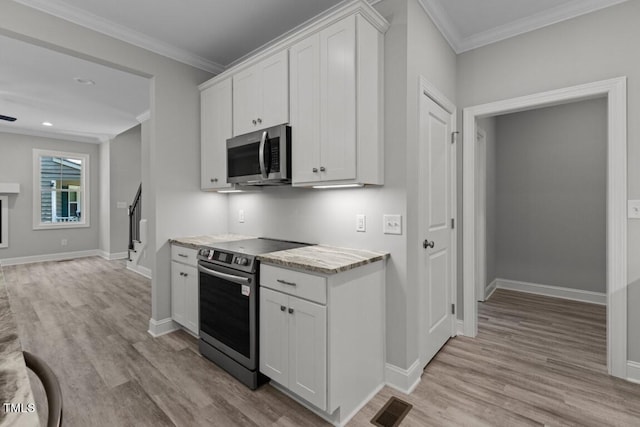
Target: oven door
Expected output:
[228,312]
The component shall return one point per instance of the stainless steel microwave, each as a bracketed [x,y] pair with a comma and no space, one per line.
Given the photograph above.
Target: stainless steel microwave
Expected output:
[260,158]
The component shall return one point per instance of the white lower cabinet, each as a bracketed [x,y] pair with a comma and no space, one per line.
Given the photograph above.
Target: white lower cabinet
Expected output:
[322,336]
[184,288]
[294,344]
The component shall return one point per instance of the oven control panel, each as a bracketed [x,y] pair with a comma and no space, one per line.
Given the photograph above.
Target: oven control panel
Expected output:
[225,258]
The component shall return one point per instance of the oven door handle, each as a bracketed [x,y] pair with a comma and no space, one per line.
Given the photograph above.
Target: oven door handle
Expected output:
[225,276]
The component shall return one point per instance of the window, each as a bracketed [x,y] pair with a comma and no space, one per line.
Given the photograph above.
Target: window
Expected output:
[61,189]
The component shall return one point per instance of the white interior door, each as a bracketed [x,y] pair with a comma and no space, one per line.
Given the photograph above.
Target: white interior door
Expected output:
[436,226]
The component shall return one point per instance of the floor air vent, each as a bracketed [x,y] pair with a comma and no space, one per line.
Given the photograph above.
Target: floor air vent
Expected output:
[392,413]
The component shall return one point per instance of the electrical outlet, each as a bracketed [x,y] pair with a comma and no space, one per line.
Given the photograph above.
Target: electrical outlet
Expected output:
[361,222]
[392,224]
[121,205]
[241,215]
[64,242]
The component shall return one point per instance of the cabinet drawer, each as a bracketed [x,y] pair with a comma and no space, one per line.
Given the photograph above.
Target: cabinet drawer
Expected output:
[184,255]
[303,285]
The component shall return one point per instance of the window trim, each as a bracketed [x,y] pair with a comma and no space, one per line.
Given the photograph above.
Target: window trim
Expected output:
[37,198]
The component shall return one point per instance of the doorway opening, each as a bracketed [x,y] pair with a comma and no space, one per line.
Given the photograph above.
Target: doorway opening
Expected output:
[614,91]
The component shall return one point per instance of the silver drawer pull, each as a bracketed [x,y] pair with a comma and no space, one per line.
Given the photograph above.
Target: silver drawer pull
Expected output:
[291,311]
[183,255]
[283,308]
[284,282]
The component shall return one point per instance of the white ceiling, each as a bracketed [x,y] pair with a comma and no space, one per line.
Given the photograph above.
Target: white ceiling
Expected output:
[37,84]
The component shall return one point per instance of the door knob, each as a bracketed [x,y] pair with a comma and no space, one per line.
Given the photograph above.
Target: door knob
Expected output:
[428,244]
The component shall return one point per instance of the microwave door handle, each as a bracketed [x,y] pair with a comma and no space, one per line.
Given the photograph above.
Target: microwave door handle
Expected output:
[229,277]
[263,168]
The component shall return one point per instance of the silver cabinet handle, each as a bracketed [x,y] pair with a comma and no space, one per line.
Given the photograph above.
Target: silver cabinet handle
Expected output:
[259,120]
[322,169]
[284,282]
[428,244]
[225,276]
[254,122]
[283,308]
[315,170]
[183,255]
[291,311]
[214,180]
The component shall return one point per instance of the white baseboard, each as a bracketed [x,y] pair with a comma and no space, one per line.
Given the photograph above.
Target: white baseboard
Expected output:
[143,271]
[633,371]
[459,327]
[553,291]
[49,257]
[113,256]
[162,327]
[403,380]
[489,290]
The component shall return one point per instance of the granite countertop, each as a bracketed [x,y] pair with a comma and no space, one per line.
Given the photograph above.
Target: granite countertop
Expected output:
[323,259]
[15,387]
[194,242]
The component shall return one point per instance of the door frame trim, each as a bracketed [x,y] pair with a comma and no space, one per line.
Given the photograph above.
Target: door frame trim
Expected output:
[615,90]
[426,88]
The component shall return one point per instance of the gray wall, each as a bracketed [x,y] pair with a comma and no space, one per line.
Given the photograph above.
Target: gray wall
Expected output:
[489,126]
[125,176]
[16,166]
[178,205]
[588,48]
[551,195]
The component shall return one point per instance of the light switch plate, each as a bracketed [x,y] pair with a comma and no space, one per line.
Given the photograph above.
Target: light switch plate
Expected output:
[634,209]
[392,224]
[361,223]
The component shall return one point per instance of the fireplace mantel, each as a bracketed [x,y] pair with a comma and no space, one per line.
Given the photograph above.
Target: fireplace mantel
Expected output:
[9,188]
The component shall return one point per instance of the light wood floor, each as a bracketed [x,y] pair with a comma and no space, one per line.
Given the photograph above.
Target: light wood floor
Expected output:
[536,361]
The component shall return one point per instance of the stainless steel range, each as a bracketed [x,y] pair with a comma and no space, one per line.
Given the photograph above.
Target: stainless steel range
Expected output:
[229,285]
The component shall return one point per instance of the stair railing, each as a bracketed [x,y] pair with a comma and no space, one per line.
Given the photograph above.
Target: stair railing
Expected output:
[135,214]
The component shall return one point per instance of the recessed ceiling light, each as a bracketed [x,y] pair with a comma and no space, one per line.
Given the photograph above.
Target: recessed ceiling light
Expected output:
[47,124]
[82,81]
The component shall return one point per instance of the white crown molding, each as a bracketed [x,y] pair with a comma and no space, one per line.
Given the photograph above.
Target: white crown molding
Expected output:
[86,138]
[117,31]
[539,20]
[443,23]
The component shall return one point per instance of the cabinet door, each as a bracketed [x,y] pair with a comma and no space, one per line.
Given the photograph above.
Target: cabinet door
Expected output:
[308,351]
[338,101]
[216,128]
[191,303]
[178,292]
[274,87]
[246,100]
[274,338]
[305,109]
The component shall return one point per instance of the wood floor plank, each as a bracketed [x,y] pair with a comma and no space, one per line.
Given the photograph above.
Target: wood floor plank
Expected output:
[536,361]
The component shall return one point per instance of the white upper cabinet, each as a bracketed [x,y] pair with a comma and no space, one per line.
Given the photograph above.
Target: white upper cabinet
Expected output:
[261,95]
[326,81]
[216,128]
[336,105]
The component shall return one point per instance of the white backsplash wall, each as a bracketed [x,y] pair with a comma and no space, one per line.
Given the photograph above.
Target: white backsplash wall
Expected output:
[318,216]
